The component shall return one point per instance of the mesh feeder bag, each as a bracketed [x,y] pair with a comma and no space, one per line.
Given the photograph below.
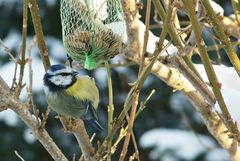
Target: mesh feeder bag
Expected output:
[92,30]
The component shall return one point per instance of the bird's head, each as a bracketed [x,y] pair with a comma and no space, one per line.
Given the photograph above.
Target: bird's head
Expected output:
[59,77]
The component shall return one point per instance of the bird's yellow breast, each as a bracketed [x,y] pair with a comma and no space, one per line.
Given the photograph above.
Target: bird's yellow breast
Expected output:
[85,89]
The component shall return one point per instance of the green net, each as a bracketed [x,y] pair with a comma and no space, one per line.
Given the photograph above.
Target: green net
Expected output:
[92,30]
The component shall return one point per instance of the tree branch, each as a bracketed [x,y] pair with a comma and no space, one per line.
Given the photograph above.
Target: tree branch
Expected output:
[8,100]
[23,52]
[232,127]
[132,16]
[222,36]
[173,78]
[39,32]
[76,126]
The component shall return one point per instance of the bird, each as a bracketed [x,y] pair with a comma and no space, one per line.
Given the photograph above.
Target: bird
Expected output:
[72,95]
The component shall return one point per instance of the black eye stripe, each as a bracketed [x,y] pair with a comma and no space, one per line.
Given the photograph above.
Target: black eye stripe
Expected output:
[64,74]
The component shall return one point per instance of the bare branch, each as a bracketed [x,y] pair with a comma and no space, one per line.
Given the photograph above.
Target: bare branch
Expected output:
[39,33]
[8,100]
[131,12]
[23,51]
[76,126]
[214,123]
[222,36]
[19,156]
[232,127]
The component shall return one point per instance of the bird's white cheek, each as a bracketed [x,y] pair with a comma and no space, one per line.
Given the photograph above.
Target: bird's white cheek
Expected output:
[60,80]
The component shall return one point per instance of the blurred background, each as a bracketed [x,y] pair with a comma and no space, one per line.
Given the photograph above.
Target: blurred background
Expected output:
[169,129]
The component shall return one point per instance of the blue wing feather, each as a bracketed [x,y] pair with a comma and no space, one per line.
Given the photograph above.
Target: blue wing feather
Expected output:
[90,117]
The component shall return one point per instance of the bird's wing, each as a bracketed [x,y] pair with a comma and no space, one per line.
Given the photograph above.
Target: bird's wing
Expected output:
[90,116]
[90,111]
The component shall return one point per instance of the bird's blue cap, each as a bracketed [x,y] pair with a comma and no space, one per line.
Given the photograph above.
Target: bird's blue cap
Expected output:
[56,67]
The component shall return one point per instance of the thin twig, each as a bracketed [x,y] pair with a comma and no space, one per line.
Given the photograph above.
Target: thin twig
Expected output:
[143,104]
[236,9]
[215,125]
[175,36]
[165,29]
[6,49]
[232,127]
[74,157]
[131,95]
[221,46]
[146,33]
[121,135]
[132,16]
[222,36]
[39,33]
[45,117]
[135,102]
[135,145]
[110,109]
[130,126]
[30,93]
[23,52]
[19,156]
[123,131]
[192,75]
[14,83]
[198,83]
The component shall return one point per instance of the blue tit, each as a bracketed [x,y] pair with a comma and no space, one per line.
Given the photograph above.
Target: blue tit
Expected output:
[72,95]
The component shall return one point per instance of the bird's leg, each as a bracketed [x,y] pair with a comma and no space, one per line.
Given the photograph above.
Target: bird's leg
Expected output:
[69,60]
[89,73]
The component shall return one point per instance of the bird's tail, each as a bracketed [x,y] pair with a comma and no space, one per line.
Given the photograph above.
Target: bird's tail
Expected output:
[95,125]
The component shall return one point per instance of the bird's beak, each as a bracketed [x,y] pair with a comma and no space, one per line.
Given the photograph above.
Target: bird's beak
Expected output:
[75,73]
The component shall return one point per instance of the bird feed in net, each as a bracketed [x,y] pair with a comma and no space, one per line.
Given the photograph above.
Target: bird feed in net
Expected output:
[92,30]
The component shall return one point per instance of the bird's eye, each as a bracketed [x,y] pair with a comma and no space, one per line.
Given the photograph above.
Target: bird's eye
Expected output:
[64,74]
